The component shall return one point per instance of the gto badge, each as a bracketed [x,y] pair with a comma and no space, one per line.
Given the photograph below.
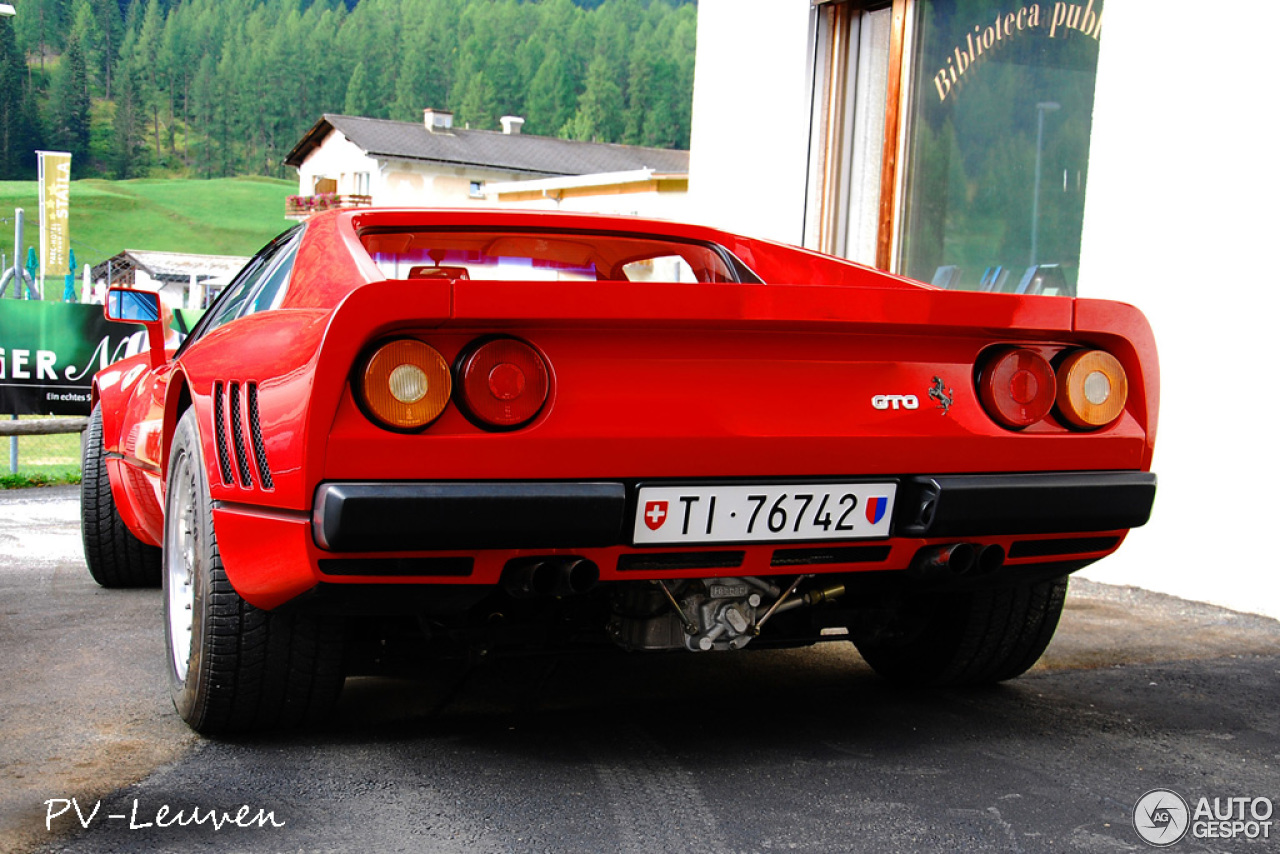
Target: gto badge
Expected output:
[895,401]
[942,395]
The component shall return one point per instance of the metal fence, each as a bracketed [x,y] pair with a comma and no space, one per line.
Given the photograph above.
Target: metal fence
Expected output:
[42,446]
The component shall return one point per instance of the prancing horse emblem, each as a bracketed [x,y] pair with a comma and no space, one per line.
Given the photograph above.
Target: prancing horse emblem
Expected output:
[942,394]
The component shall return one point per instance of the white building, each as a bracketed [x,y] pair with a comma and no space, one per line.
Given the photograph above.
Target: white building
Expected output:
[955,140]
[183,280]
[346,161]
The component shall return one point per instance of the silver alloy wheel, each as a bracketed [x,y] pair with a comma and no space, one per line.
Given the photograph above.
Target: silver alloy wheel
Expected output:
[180,549]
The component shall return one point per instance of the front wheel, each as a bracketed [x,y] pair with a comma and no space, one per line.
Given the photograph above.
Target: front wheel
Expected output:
[115,557]
[232,667]
[974,638]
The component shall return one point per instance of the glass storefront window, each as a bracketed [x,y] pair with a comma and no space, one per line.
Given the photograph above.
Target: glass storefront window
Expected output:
[997,148]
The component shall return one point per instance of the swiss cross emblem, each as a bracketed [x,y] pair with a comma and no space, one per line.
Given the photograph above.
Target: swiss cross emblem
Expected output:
[655,513]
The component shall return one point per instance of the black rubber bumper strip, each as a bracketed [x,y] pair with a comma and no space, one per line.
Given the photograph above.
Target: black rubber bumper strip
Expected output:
[1051,503]
[374,517]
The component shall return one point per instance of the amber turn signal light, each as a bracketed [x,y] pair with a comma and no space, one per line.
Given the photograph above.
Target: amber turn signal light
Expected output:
[1017,387]
[1092,389]
[405,384]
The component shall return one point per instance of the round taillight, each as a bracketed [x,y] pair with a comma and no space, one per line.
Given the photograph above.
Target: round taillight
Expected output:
[1017,387]
[405,384]
[504,383]
[1092,389]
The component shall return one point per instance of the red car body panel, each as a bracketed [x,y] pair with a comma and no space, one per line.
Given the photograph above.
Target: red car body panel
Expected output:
[649,382]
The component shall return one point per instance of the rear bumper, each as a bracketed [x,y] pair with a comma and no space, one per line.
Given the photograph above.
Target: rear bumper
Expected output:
[438,516]
[422,538]
[1055,503]
[479,515]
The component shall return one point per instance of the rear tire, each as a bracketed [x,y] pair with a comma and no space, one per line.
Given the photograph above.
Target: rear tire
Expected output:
[975,638]
[115,557]
[233,667]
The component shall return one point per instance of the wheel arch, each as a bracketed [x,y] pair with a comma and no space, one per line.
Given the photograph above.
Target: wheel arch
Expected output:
[177,401]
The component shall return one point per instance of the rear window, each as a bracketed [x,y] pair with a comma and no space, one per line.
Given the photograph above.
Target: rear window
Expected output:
[559,256]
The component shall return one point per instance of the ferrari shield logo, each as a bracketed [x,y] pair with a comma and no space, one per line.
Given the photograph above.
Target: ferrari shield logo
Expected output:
[875,508]
[655,513]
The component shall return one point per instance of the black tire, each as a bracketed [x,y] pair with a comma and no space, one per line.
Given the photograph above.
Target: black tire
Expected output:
[116,558]
[233,667]
[975,638]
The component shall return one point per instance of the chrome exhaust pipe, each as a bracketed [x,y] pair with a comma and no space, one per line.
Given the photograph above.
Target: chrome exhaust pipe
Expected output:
[551,576]
[936,562]
[990,558]
[571,576]
[525,579]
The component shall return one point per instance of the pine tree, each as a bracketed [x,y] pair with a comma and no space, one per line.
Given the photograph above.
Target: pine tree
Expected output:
[360,93]
[18,134]
[479,107]
[129,153]
[69,105]
[601,110]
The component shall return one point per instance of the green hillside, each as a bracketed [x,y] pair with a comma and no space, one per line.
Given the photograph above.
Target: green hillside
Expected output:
[227,216]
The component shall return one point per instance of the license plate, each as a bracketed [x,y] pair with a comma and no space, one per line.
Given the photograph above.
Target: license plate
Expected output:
[796,512]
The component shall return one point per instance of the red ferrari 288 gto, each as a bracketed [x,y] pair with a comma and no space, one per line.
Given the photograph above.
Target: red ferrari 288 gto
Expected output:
[609,430]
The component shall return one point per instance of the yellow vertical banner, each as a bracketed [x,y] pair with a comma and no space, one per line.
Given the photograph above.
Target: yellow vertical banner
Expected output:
[55,213]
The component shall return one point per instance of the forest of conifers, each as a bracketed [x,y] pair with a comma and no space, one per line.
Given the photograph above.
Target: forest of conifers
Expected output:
[212,88]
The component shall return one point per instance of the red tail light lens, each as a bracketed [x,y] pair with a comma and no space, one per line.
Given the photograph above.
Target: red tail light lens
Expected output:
[504,383]
[1092,389]
[1017,387]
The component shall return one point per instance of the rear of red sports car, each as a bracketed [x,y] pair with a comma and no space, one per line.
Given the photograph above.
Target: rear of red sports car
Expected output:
[656,436]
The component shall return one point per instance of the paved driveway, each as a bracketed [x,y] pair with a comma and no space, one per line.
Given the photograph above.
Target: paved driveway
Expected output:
[799,750]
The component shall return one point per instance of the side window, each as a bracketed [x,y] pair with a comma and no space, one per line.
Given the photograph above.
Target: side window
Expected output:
[258,285]
[275,283]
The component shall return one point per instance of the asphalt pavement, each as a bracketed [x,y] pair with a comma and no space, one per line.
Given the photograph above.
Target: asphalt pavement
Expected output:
[799,750]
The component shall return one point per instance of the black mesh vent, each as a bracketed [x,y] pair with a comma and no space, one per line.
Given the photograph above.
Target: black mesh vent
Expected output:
[820,556]
[220,433]
[649,561]
[1066,546]
[255,433]
[441,566]
[237,436]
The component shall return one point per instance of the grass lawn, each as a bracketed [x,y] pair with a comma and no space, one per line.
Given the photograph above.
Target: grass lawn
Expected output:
[223,216]
[40,459]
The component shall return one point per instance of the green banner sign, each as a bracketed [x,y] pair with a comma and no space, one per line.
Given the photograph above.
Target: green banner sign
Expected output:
[49,352]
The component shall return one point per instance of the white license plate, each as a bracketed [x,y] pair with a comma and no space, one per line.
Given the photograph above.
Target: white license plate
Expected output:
[796,512]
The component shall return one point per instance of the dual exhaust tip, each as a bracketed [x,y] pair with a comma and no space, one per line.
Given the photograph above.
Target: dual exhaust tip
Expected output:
[938,563]
[549,576]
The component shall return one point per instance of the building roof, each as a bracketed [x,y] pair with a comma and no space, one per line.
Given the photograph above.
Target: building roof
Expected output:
[516,152]
[170,266]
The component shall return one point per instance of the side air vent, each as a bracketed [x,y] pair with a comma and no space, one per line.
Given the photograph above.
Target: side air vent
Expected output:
[235,438]
[220,433]
[237,435]
[255,432]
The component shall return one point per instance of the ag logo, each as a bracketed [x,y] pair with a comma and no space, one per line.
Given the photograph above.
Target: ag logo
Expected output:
[1161,817]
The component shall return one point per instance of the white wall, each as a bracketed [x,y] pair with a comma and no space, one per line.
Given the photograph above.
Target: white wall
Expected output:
[1181,220]
[669,205]
[336,157]
[417,183]
[750,137]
